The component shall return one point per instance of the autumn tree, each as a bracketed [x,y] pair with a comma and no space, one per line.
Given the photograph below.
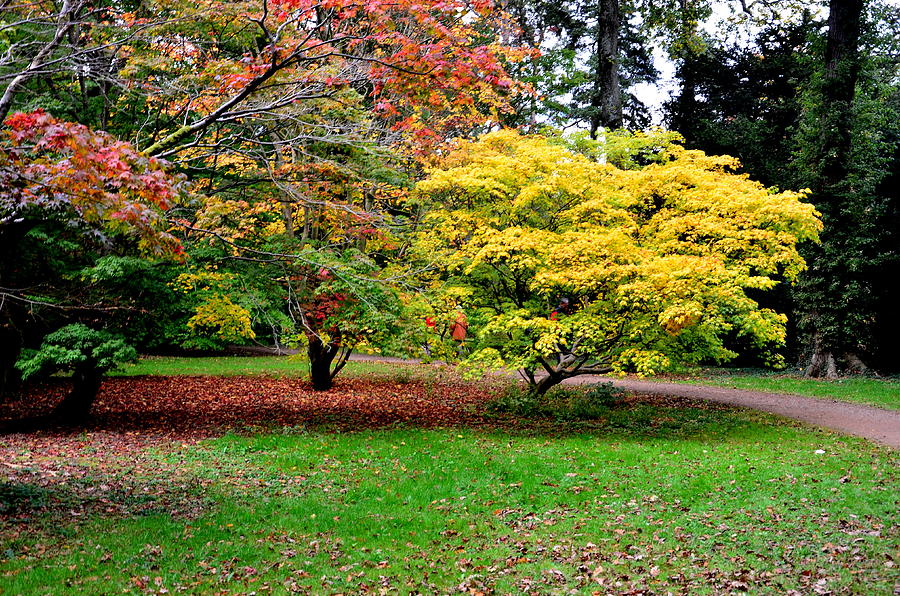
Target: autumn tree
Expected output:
[297,260]
[68,197]
[660,252]
[255,62]
[298,122]
[329,301]
[341,309]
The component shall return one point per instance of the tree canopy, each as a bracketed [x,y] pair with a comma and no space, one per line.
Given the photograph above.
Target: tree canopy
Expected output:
[659,257]
[305,174]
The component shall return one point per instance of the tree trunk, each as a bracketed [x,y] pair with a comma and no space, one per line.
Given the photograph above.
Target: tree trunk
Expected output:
[10,349]
[76,406]
[831,163]
[855,364]
[287,212]
[842,65]
[307,223]
[822,363]
[606,99]
[320,358]
[545,383]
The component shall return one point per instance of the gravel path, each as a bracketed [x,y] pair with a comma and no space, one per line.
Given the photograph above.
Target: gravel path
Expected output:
[868,422]
[876,424]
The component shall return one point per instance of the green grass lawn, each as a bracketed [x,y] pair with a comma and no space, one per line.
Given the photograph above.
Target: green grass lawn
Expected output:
[277,366]
[687,500]
[884,393]
[224,366]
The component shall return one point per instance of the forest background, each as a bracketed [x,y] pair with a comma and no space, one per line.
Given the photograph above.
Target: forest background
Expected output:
[197,175]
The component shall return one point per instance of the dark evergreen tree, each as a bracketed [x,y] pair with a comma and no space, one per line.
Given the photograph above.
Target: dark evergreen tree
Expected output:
[593,52]
[748,99]
[814,104]
[847,145]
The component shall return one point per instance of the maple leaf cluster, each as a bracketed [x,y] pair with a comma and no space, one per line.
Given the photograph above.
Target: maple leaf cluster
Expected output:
[93,180]
[431,69]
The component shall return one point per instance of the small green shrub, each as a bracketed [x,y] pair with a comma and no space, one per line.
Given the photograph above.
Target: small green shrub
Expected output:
[73,348]
[605,394]
[517,400]
[562,403]
[88,353]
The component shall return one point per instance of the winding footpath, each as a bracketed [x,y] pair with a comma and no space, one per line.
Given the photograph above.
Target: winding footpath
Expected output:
[869,422]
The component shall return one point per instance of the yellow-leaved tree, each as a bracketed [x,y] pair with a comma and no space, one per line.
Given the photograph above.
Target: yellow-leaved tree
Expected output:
[633,255]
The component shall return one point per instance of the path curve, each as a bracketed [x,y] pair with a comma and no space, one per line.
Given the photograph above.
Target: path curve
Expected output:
[869,422]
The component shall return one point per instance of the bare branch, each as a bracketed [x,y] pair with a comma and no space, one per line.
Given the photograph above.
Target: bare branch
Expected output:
[63,24]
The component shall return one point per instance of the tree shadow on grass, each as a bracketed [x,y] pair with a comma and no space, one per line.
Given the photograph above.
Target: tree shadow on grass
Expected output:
[25,496]
[49,499]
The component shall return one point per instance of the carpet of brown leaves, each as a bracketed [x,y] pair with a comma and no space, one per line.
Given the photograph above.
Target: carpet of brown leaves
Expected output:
[189,407]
